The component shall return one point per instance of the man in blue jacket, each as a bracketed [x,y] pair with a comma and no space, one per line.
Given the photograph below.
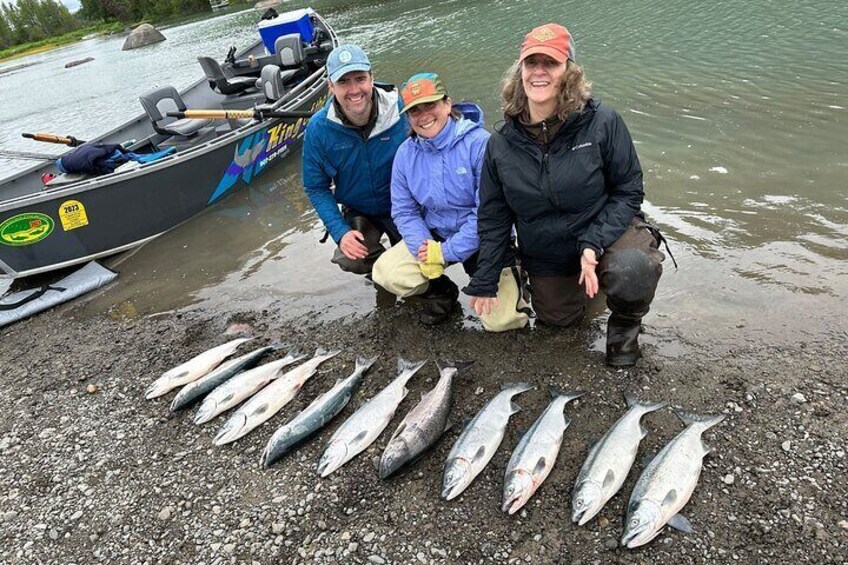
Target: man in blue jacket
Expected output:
[348,151]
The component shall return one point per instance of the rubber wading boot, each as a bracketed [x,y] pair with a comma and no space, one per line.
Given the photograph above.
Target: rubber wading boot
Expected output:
[623,341]
[440,301]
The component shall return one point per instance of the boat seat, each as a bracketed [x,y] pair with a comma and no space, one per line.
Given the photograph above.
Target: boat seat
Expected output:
[289,50]
[273,81]
[167,96]
[220,82]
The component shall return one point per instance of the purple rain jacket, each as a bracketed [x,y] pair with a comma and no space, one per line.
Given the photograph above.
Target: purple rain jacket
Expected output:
[435,186]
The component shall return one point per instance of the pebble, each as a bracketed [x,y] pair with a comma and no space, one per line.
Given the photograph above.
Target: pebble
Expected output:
[54,535]
[798,398]
[611,543]
[230,547]
[603,522]
[9,516]
[165,514]
[369,537]
[843,524]
[278,528]
[76,515]
[376,559]
[786,445]
[91,389]
[728,479]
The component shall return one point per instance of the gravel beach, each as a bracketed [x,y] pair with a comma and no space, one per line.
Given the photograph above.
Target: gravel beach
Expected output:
[91,472]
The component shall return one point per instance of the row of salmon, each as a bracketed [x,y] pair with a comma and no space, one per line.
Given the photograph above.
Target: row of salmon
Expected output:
[664,487]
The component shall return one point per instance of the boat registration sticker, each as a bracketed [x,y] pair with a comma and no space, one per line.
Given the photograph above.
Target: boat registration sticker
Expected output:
[72,214]
[25,229]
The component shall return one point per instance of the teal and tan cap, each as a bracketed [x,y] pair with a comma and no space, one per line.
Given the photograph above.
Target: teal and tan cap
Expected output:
[422,88]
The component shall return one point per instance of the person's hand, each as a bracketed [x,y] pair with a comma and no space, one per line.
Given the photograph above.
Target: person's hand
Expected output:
[588,262]
[483,304]
[422,252]
[352,246]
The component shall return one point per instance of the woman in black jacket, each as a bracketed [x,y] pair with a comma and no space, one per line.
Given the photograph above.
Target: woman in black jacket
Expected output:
[563,171]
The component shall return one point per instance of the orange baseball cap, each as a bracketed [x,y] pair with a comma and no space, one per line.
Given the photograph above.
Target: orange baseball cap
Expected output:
[422,88]
[552,40]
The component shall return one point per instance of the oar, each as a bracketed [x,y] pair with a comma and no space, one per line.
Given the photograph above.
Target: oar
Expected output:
[68,140]
[254,114]
[8,154]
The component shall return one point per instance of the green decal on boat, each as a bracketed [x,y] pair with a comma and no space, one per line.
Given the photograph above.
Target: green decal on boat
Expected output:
[25,229]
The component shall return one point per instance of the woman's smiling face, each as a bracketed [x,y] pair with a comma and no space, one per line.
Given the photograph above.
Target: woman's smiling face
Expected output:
[429,118]
[541,76]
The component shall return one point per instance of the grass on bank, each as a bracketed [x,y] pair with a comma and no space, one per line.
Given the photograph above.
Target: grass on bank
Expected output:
[60,40]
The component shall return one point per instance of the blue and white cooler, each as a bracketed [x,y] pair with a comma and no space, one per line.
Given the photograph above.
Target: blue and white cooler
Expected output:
[296,21]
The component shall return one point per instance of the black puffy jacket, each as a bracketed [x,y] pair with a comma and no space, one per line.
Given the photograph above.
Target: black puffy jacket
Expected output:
[583,191]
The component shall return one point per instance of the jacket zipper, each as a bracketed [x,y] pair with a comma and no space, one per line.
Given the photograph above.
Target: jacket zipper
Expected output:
[545,158]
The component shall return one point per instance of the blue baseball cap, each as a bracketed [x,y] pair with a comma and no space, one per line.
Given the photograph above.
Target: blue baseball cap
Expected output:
[345,59]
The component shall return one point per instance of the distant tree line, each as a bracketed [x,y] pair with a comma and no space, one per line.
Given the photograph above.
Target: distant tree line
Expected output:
[34,20]
[136,10]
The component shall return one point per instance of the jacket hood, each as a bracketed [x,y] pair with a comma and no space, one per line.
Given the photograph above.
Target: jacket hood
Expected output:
[388,109]
[454,130]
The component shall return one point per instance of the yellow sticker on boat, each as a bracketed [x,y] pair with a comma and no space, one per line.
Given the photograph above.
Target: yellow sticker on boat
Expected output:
[25,229]
[72,214]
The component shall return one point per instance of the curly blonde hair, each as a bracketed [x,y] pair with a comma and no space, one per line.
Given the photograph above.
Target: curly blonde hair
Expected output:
[574,91]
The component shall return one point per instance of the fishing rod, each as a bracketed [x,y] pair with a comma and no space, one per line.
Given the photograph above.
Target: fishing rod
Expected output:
[68,140]
[9,154]
[254,114]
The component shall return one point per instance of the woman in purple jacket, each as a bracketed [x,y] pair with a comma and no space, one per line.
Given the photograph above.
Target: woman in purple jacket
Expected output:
[435,182]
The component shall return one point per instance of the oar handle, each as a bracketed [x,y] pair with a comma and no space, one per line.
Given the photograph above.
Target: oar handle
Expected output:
[53,138]
[253,114]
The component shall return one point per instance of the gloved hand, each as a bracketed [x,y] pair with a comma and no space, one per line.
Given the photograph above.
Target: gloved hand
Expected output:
[434,265]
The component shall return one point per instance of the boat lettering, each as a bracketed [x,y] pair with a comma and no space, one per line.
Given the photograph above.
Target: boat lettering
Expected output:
[257,151]
[72,214]
[25,229]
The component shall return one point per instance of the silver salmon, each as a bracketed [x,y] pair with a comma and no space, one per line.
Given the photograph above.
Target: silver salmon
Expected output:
[242,386]
[316,415]
[477,444]
[424,424]
[196,390]
[270,399]
[368,422]
[667,483]
[536,452]
[609,461]
[192,369]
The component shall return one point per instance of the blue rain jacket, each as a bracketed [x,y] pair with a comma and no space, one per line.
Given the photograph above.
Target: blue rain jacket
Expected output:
[435,186]
[360,169]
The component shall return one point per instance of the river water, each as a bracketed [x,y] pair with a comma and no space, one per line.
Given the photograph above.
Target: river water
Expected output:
[738,111]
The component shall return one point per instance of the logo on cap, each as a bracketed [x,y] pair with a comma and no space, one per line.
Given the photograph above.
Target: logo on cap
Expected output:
[345,56]
[415,88]
[544,34]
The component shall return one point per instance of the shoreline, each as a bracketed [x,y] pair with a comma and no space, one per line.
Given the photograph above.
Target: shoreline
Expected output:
[106,475]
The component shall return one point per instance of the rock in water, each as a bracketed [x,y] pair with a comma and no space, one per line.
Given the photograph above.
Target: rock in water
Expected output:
[145,34]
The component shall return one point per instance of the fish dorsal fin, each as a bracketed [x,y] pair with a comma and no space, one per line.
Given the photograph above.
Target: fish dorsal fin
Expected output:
[681,523]
[643,431]
[360,436]
[609,479]
[706,448]
[631,399]
[540,466]
[448,425]
[480,454]
[669,498]
[515,408]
